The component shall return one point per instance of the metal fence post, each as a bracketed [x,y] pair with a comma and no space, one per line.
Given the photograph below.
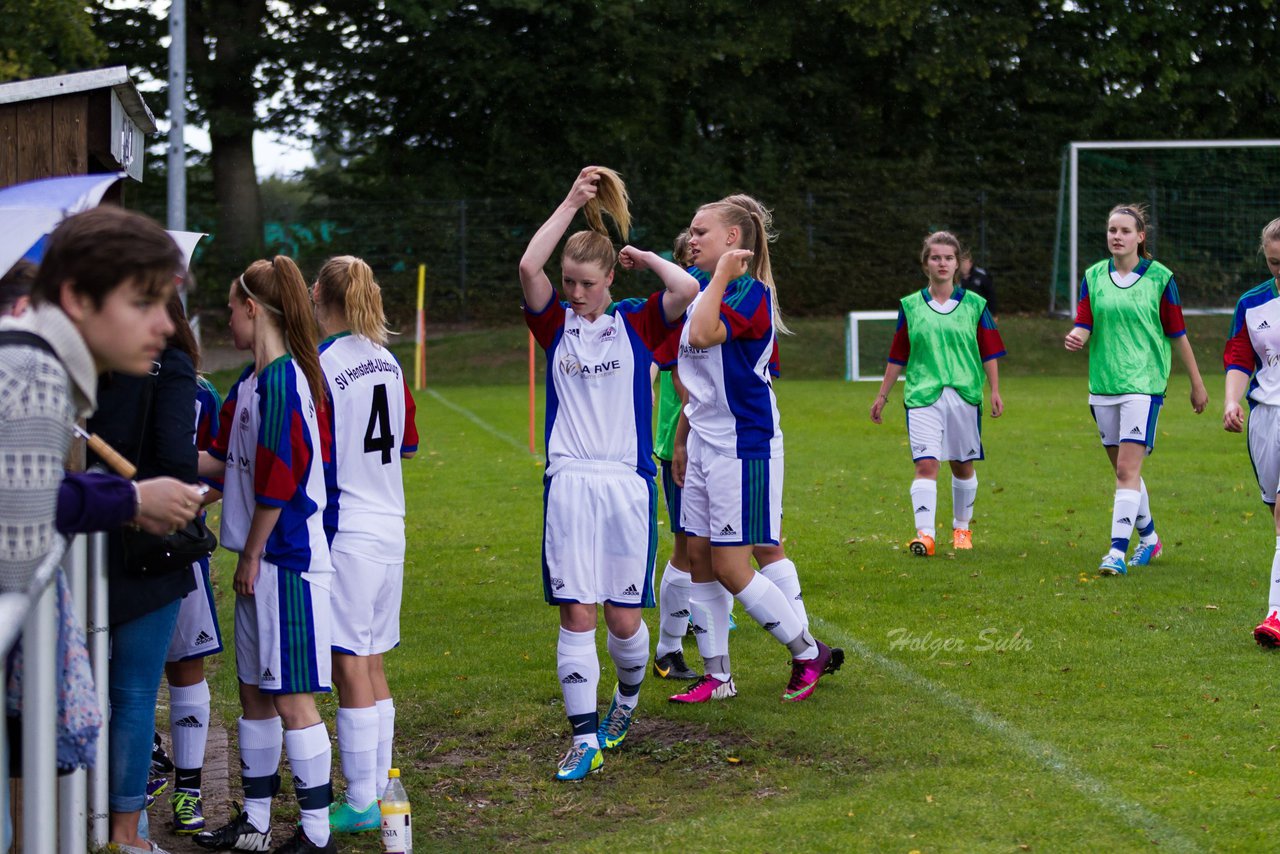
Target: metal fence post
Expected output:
[99,641]
[39,726]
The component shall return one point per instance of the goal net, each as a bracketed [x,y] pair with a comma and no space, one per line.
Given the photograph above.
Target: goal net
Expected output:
[1207,203]
[867,336]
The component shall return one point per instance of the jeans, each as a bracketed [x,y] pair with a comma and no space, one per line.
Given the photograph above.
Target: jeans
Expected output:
[138,650]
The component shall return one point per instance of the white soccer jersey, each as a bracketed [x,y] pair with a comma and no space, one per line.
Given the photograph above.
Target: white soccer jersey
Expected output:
[599,398]
[1254,345]
[270,440]
[731,403]
[371,425]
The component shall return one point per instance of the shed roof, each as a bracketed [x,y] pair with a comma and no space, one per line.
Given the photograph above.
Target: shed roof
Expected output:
[116,78]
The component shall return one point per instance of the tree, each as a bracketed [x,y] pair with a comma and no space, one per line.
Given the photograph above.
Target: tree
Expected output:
[43,37]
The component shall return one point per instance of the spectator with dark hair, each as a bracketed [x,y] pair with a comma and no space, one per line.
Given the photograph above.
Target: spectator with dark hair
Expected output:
[15,289]
[977,280]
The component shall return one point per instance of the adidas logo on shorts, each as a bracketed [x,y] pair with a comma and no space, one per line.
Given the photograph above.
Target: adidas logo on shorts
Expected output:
[1124,521]
[631,591]
[574,678]
[557,583]
[1263,325]
[727,531]
[770,626]
[917,448]
[267,676]
[1136,431]
[203,638]
[189,721]
[971,452]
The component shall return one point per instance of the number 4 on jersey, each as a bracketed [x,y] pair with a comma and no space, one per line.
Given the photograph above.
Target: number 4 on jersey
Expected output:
[378,436]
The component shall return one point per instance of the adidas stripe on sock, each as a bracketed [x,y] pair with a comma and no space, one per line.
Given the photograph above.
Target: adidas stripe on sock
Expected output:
[964,493]
[673,604]
[578,670]
[1124,511]
[785,577]
[261,742]
[710,605]
[630,660]
[189,729]
[310,761]
[924,500]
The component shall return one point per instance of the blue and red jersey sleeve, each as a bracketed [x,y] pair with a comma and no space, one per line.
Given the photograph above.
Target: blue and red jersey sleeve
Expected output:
[668,352]
[745,310]
[410,443]
[1239,354]
[900,348]
[284,450]
[1171,311]
[648,319]
[1084,311]
[990,344]
[207,417]
[546,323]
[226,418]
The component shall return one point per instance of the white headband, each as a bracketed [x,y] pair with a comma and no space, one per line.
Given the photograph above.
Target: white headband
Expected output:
[252,296]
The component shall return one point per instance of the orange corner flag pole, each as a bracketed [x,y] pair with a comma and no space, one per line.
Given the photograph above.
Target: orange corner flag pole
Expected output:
[420,356]
[533,447]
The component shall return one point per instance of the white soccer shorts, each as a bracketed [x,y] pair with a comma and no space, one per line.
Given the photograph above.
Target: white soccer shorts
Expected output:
[600,535]
[732,502]
[950,428]
[1127,418]
[1264,448]
[365,602]
[283,632]
[197,633]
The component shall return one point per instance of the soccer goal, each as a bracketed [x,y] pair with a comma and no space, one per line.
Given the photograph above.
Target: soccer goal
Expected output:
[867,336]
[1207,199]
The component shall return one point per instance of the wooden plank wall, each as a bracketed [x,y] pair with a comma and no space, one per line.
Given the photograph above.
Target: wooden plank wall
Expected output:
[44,138]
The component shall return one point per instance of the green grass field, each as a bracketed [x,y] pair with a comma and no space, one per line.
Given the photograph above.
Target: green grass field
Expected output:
[1004,699]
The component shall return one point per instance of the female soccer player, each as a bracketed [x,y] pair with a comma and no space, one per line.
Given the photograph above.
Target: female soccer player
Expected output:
[1255,333]
[945,341]
[1129,306]
[732,497]
[269,456]
[600,517]
[372,429]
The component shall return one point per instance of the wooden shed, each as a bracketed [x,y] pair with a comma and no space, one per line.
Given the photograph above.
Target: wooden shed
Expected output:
[72,124]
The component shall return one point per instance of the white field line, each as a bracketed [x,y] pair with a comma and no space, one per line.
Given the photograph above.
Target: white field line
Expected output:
[1041,752]
[480,422]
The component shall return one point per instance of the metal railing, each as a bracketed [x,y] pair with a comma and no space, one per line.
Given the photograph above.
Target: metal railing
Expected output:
[80,797]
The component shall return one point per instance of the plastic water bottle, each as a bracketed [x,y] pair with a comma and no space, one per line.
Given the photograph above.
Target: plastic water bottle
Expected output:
[397,826]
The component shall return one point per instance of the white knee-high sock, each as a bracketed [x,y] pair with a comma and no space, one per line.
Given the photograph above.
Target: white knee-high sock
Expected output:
[358,750]
[1273,600]
[673,604]
[924,501]
[578,669]
[1123,514]
[1145,524]
[189,727]
[784,576]
[963,495]
[310,760]
[768,607]
[260,746]
[386,734]
[630,660]
[710,605]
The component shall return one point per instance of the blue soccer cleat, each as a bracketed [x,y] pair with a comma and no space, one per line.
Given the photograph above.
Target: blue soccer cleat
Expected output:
[614,727]
[1144,554]
[1112,566]
[581,760]
[344,818]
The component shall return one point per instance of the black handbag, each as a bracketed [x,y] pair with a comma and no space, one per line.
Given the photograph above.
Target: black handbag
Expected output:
[148,554]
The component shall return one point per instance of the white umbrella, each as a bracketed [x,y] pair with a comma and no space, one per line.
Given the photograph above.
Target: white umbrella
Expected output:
[29,211]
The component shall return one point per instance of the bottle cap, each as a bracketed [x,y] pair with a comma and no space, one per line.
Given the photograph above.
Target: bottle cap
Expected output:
[395,772]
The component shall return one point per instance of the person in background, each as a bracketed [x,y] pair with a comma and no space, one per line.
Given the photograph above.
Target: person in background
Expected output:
[977,280]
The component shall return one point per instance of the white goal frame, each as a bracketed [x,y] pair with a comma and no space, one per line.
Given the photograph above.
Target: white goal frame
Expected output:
[1073,190]
[851,371]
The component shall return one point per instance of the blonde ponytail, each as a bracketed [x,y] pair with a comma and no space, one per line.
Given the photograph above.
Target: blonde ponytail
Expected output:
[346,284]
[611,198]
